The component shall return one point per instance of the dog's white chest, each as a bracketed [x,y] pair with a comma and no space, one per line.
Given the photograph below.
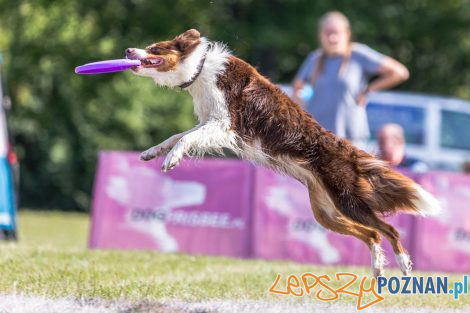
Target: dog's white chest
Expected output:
[209,101]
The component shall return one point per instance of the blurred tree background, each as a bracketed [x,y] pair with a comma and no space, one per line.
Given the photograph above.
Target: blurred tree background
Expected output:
[61,120]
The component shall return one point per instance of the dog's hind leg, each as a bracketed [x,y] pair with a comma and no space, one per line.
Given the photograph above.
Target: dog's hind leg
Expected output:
[329,217]
[343,225]
[393,236]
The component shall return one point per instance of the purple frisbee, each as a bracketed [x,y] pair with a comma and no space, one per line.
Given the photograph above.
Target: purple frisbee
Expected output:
[106,66]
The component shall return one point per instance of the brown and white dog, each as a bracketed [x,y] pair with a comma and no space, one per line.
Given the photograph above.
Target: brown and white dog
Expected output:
[241,110]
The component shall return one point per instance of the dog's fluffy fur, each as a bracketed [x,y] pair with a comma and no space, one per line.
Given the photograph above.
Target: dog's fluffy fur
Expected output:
[241,110]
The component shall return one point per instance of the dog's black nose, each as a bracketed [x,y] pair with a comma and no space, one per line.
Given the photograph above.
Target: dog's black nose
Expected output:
[129,51]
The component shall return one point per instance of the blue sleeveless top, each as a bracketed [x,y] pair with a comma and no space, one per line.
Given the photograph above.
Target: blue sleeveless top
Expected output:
[333,104]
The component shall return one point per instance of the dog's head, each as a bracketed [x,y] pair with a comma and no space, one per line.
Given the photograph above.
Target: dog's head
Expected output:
[167,62]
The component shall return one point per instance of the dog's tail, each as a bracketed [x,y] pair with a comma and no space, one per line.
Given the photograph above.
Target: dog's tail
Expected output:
[388,192]
[426,204]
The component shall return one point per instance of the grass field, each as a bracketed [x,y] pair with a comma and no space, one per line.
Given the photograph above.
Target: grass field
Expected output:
[51,260]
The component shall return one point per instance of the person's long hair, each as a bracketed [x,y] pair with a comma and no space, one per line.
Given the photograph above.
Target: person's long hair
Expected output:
[320,64]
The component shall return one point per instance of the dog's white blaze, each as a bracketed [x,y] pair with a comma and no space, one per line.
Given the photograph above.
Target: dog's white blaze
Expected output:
[426,203]
[140,53]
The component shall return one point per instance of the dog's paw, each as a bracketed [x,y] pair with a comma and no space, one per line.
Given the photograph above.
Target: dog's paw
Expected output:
[378,272]
[404,261]
[147,155]
[172,159]
[153,152]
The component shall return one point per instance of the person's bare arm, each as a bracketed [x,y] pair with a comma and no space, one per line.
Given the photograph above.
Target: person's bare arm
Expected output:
[391,73]
[297,86]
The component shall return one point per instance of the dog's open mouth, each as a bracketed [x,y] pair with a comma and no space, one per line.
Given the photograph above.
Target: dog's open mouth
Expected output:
[152,62]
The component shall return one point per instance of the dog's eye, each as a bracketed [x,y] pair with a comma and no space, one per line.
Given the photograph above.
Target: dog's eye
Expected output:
[155,51]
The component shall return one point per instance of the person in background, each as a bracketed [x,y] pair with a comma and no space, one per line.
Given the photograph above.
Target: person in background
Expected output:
[466,167]
[391,142]
[339,72]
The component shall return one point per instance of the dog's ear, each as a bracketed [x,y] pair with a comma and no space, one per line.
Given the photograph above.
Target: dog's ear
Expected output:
[191,34]
[188,39]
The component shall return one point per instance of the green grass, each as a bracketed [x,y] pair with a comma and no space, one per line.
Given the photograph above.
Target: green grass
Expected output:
[52,259]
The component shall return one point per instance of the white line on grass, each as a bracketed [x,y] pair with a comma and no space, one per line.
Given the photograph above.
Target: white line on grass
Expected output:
[33,304]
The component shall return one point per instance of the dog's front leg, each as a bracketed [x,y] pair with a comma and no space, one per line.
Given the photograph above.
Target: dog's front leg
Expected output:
[163,147]
[210,137]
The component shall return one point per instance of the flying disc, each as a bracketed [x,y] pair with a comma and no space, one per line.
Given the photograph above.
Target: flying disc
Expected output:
[106,66]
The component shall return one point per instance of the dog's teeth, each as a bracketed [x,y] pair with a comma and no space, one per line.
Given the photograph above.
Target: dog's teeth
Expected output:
[150,61]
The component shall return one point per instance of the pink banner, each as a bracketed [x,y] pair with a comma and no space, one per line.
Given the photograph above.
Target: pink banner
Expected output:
[231,208]
[199,207]
[442,243]
[284,226]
